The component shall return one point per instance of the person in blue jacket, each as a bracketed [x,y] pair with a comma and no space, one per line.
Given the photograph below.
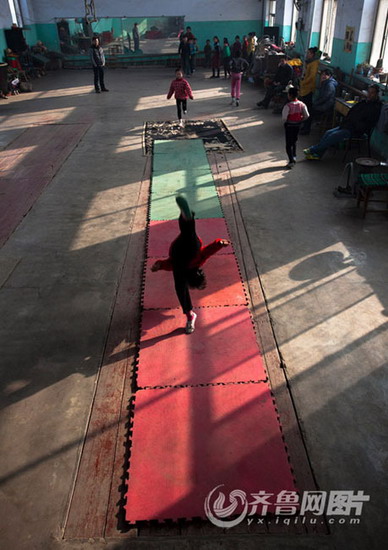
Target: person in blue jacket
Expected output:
[325,100]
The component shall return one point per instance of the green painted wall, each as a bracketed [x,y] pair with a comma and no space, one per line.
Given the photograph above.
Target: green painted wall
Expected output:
[348,60]
[301,43]
[47,33]
[314,40]
[285,32]
[3,44]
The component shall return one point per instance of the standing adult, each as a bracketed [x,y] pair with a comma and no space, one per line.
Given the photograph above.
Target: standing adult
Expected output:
[184,51]
[98,62]
[136,37]
[308,82]
[251,46]
[188,34]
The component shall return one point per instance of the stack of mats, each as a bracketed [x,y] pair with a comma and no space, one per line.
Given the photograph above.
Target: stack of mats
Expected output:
[203,414]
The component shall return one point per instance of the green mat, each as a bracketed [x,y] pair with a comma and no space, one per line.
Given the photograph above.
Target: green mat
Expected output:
[182,160]
[188,147]
[180,181]
[181,166]
[163,207]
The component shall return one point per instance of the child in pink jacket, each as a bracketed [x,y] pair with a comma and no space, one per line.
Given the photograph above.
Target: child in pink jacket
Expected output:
[182,91]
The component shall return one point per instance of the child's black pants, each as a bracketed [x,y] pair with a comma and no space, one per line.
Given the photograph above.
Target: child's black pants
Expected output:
[292,131]
[183,251]
[181,104]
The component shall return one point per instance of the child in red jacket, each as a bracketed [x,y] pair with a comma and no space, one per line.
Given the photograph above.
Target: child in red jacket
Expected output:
[186,256]
[182,91]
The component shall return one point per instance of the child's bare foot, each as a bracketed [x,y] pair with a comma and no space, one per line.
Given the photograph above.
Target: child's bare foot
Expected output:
[156,266]
[225,242]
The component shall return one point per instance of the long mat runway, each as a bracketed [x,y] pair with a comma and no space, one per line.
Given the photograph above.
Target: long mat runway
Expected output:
[203,414]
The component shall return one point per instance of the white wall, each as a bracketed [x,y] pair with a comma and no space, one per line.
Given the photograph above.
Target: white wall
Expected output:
[359,14]
[5,15]
[193,10]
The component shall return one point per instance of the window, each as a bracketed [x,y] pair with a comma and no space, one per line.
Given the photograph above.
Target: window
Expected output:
[16,12]
[271,12]
[380,37]
[294,21]
[327,26]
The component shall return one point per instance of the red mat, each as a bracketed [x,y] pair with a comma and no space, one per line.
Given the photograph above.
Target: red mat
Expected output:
[187,441]
[162,233]
[223,348]
[224,287]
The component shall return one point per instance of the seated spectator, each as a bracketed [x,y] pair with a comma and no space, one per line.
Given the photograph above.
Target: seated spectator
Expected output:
[282,77]
[39,48]
[325,100]
[361,119]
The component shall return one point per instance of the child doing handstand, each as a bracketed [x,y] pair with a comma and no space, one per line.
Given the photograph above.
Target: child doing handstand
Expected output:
[186,256]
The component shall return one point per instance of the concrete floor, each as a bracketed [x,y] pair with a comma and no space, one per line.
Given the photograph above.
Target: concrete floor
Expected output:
[323,270]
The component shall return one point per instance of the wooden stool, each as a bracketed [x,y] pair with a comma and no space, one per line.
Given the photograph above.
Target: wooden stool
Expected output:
[368,184]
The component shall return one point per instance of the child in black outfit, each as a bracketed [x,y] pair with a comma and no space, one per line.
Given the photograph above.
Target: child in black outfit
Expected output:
[207,50]
[186,256]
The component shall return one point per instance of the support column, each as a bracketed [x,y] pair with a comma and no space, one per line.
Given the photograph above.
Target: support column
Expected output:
[283,18]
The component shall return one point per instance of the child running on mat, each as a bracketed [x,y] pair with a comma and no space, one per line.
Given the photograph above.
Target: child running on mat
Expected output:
[186,256]
[183,92]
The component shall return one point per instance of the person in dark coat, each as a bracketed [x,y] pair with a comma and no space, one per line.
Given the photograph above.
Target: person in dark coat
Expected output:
[216,57]
[184,51]
[361,119]
[136,37]
[282,77]
[97,58]
[324,102]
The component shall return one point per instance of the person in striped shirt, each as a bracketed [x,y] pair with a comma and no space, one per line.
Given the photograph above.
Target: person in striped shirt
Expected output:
[294,113]
[182,90]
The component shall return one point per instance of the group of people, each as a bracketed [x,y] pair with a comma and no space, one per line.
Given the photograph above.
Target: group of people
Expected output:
[302,107]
